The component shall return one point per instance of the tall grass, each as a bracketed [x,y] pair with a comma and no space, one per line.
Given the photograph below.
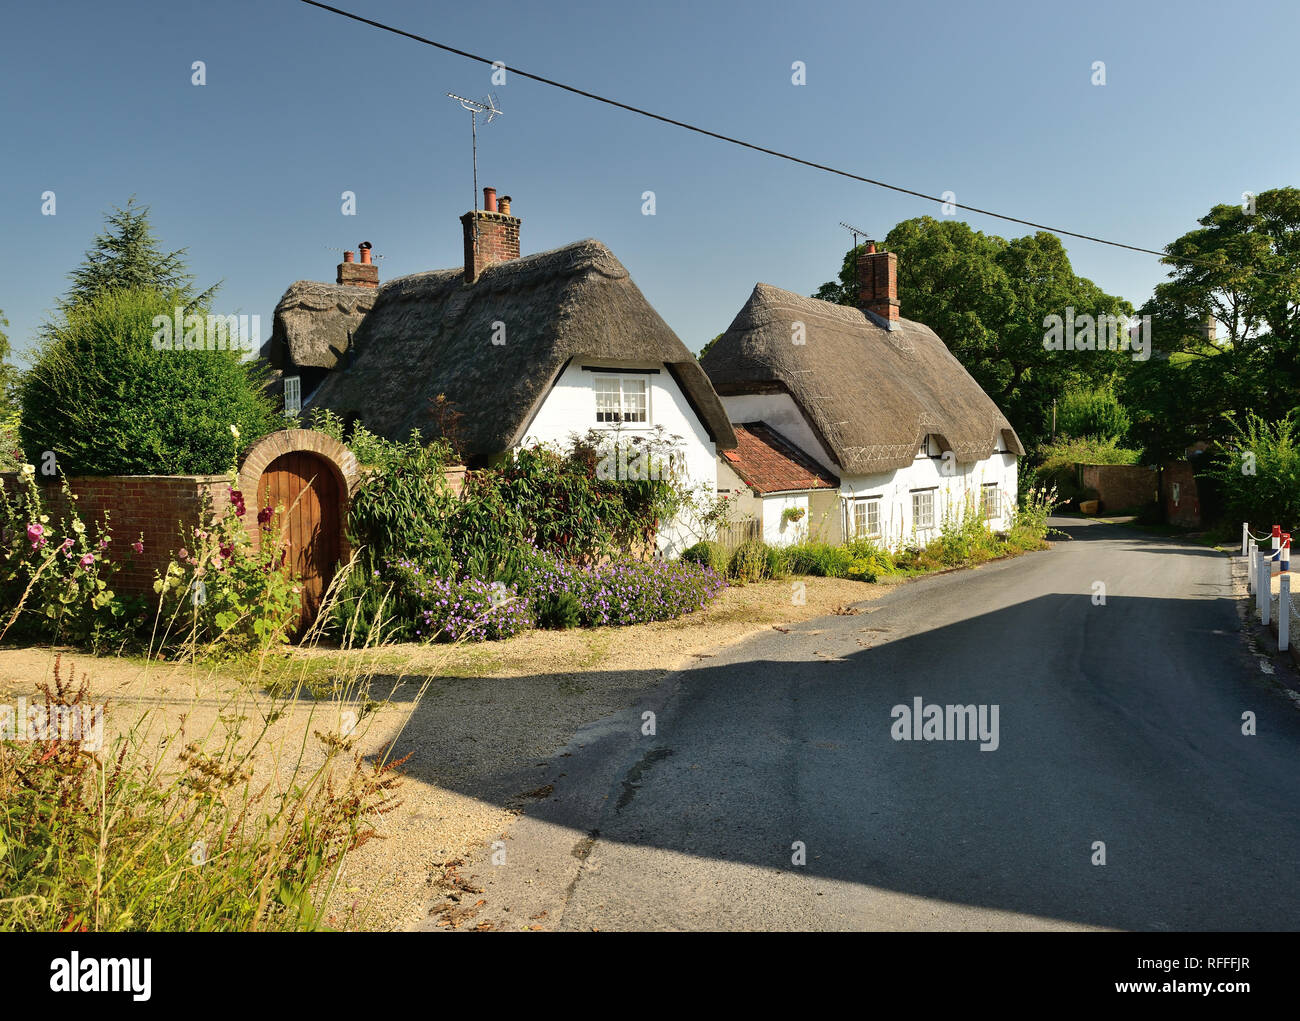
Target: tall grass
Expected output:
[242,824]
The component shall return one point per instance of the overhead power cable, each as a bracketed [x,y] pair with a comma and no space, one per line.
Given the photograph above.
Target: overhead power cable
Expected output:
[741,142]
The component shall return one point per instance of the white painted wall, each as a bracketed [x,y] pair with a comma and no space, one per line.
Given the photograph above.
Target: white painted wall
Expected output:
[783,414]
[951,492]
[570,409]
[783,533]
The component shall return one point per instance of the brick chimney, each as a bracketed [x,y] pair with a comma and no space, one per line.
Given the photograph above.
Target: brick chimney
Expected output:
[358,274]
[878,284]
[491,235]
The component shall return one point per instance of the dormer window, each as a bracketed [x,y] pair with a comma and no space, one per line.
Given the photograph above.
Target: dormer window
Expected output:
[292,396]
[929,448]
[621,399]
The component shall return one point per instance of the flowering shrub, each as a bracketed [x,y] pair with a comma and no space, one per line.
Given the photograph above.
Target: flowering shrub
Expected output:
[623,591]
[227,594]
[55,580]
[445,608]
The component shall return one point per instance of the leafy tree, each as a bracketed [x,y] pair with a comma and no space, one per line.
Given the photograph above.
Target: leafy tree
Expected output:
[988,298]
[126,254]
[1239,271]
[107,403]
[704,350]
[1093,414]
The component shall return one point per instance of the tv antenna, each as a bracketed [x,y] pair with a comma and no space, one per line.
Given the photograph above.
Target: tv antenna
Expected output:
[487,105]
[855,231]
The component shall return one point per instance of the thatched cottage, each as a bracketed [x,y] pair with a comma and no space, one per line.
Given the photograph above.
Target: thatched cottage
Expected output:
[877,403]
[525,349]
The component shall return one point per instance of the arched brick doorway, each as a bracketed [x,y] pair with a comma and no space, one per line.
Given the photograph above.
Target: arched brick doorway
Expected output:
[309,477]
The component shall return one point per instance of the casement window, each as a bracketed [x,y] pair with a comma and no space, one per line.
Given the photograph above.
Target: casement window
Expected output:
[620,399]
[989,499]
[922,508]
[292,395]
[866,517]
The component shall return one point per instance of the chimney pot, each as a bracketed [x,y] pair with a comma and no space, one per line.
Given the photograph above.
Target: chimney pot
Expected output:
[358,274]
[504,205]
[490,200]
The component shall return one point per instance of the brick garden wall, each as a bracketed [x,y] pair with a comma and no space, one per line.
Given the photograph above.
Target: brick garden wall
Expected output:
[1121,486]
[162,507]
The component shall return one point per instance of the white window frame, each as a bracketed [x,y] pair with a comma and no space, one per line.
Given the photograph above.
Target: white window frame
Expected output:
[917,524]
[623,395]
[292,396]
[866,532]
[995,510]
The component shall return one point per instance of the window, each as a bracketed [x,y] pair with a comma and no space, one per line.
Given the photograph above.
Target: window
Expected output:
[922,508]
[866,517]
[292,395]
[989,499]
[621,400]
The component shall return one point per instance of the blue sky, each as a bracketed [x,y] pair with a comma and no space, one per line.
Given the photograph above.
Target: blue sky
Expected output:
[992,101]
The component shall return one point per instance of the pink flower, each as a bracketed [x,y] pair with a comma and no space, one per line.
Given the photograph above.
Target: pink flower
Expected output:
[88,560]
[182,554]
[36,535]
[138,546]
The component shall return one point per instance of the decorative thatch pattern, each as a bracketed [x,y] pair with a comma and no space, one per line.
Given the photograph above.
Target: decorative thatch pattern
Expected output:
[870,394]
[313,322]
[431,334]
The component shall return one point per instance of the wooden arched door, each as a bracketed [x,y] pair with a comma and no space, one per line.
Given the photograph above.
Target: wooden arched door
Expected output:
[303,487]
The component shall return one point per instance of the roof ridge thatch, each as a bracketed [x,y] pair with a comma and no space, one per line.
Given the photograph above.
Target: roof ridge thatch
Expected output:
[870,394]
[431,333]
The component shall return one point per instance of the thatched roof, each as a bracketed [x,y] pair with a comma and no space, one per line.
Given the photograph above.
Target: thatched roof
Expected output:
[869,393]
[313,322]
[431,334]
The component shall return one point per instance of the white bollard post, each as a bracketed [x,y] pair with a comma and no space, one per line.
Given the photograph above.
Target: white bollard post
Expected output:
[1245,537]
[1284,615]
[1265,591]
[1252,569]
[1261,581]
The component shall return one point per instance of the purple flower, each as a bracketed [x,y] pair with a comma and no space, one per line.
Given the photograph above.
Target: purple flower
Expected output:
[36,535]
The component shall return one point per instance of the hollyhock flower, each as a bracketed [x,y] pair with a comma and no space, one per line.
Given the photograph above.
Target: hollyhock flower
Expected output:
[87,560]
[36,535]
[182,554]
[138,546]
[29,469]
[264,516]
[234,430]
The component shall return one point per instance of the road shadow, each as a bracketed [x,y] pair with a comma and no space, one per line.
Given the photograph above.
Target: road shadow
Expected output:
[1118,725]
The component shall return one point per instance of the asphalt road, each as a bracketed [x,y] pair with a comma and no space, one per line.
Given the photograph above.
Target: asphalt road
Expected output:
[1118,724]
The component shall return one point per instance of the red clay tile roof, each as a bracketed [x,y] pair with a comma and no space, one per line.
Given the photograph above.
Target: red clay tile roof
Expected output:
[769,463]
